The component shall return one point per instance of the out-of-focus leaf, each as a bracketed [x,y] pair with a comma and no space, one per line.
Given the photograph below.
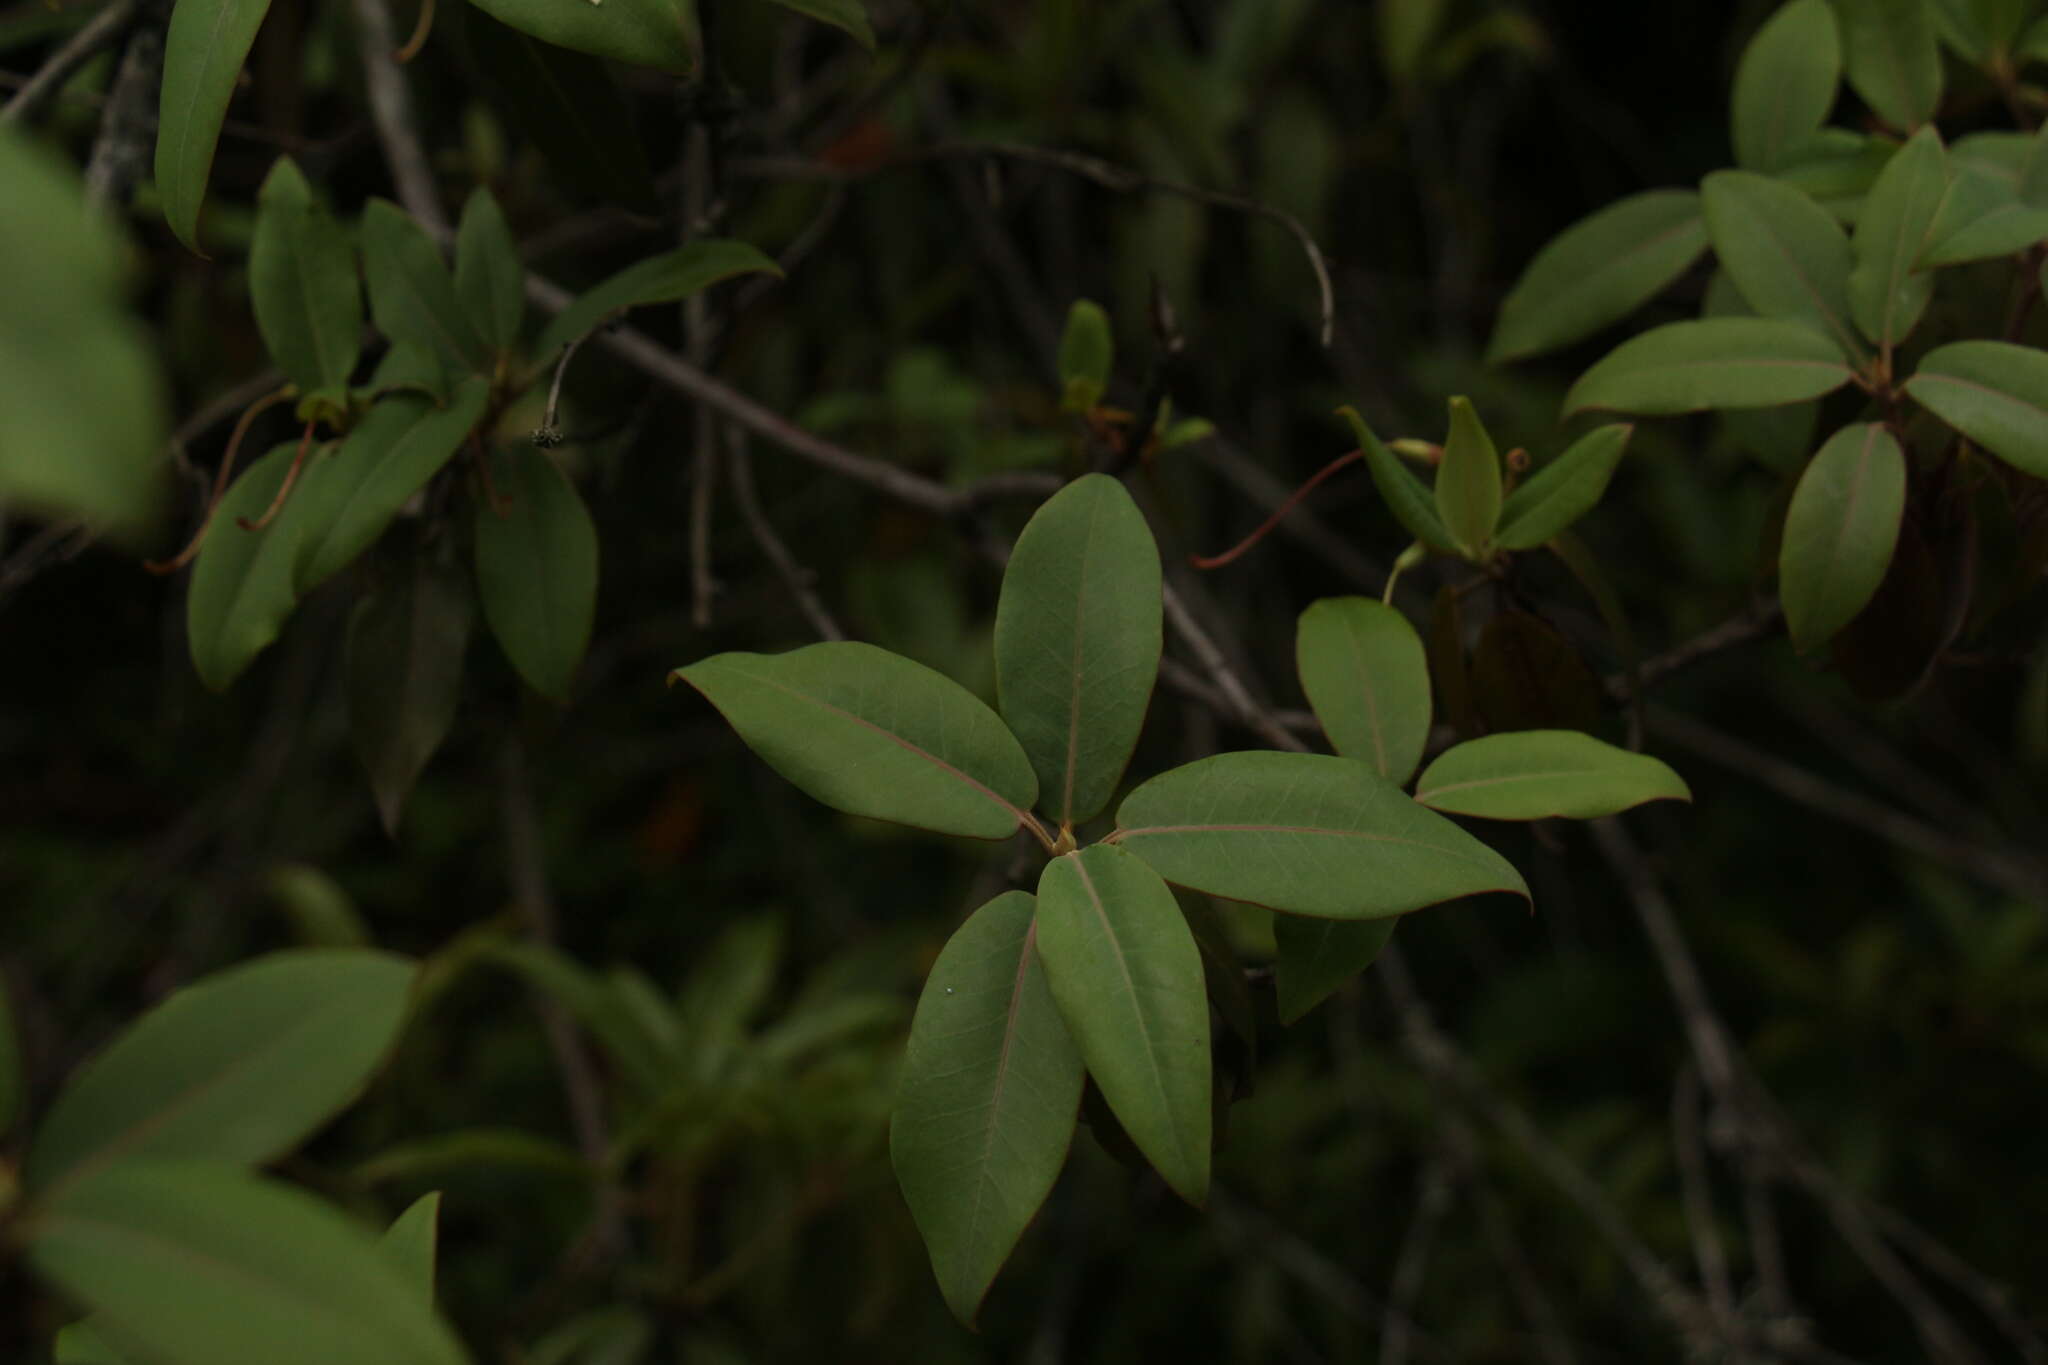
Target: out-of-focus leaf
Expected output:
[536,569]
[1712,363]
[1785,83]
[849,15]
[1836,168]
[1977,29]
[403,667]
[302,283]
[242,583]
[1886,295]
[1981,217]
[1405,30]
[10,1066]
[489,281]
[1598,271]
[1317,956]
[1538,774]
[320,911]
[602,1336]
[468,1151]
[412,1241]
[1840,531]
[1363,671]
[1564,490]
[1993,392]
[1087,350]
[1892,60]
[657,33]
[666,278]
[204,48]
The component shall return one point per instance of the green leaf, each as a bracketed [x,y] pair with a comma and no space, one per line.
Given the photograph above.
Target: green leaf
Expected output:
[667,278]
[403,671]
[1712,363]
[1317,956]
[1993,392]
[470,1151]
[1836,168]
[237,1067]
[80,383]
[871,733]
[1304,833]
[1976,30]
[1786,254]
[841,14]
[489,280]
[1785,83]
[1363,671]
[1077,642]
[640,1054]
[345,500]
[536,569]
[204,48]
[412,1241]
[1981,217]
[242,583]
[1564,490]
[1598,271]
[412,297]
[1125,970]
[728,987]
[611,1336]
[209,1265]
[1840,531]
[985,1109]
[1537,774]
[1087,350]
[1885,294]
[1892,60]
[1406,496]
[302,282]
[656,33]
[1468,481]
[88,1343]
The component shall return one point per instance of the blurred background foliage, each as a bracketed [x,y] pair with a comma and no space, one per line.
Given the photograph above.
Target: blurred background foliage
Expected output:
[739,961]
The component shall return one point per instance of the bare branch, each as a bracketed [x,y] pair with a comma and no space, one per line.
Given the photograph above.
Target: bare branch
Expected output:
[391,110]
[797,578]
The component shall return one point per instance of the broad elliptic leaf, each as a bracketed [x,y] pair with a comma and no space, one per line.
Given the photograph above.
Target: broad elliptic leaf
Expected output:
[661,34]
[1538,774]
[412,298]
[1975,30]
[1840,531]
[849,15]
[871,733]
[536,569]
[985,1109]
[403,667]
[1077,640]
[237,1067]
[1886,294]
[242,582]
[1087,350]
[1468,481]
[204,48]
[1993,392]
[1981,217]
[1127,974]
[1892,60]
[1787,255]
[412,1241]
[489,281]
[80,383]
[1785,84]
[1306,833]
[1712,363]
[1564,490]
[667,278]
[1364,673]
[1406,496]
[1317,956]
[302,283]
[1598,271]
[210,1265]
[346,500]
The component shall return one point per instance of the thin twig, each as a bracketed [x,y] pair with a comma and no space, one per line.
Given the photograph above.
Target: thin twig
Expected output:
[1242,707]
[794,576]
[121,151]
[1748,624]
[1697,1195]
[1413,1261]
[102,31]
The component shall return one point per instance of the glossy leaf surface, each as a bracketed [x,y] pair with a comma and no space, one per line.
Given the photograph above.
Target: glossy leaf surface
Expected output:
[661,34]
[1537,774]
[1598,271]
[1712,363]
[1785,83]
[412,297]
[242,582]
[204,48]
[1993,392]
[1406,496]
[1304,833]
[667,278]
[302,284]
[1840,530]
[1363,670]
[871,733]
[489,281]
[1886,295]
[1077,641]
[1317,956]
[1787,255]
[536,570]
[403,667]
[991,1086]
[1125,970]
[1468,480]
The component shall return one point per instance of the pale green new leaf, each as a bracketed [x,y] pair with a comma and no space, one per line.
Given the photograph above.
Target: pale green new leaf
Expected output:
[402,670]
[489,280]
[661,34]
[1787,255]
[1538,774]
[1785,83]
[242,587]
[1840,531]
[536,569]
[1406,496]
[1468,481]
[1993,392]
[667,278]
[871,733]
[210,1265]
[1363,670]
[1317,956]
[849,15]
[1304,833]
[412,298]
[1712,363]
[204,48]
[1077,641]
[1892,60]
[1127,974]
[1087,350]
[302,283]
[412,1241]
[1564,490]
[1599,270]
[237,1067]
[985,1109]
[1886,295]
